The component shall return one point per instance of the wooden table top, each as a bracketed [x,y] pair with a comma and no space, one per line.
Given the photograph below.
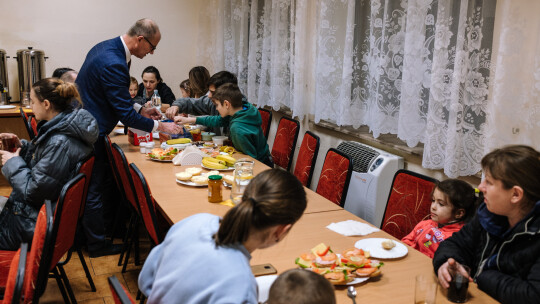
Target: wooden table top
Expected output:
[14,112]
[179,201]
[396,285]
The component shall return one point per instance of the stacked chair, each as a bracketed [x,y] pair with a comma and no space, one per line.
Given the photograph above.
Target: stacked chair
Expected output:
[30,123]
[15,277]
[119,292]
[285,142]
[408,202]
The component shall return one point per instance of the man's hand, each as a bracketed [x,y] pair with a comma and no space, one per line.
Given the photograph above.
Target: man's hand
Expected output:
[444,272]
[8,155]
[171,112]
[151,113]
[181,120]
[170,128]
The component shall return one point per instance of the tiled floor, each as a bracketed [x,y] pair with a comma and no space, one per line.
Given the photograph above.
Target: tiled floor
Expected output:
[100,268]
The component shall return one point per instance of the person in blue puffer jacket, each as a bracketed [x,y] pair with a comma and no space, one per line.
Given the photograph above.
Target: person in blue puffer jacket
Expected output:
[39,169]
[501,245]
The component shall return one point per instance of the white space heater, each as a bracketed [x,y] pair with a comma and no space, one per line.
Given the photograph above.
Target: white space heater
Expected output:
[371,180]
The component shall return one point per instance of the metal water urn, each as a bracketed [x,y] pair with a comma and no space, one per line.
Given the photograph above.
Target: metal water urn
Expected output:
[4,81]
[31,67]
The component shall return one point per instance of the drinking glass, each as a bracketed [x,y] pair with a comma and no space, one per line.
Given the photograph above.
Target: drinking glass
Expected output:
[425,291]
[243,173]
[457,292]
[25,102]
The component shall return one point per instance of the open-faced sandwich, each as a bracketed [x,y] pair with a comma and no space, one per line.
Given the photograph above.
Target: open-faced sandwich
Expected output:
[339,269]
[164,155]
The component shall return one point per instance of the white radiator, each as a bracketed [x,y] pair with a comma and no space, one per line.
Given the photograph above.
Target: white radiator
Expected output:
[371,180]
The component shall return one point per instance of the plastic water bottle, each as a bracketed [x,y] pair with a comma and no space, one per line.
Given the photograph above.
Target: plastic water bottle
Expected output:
[156,100]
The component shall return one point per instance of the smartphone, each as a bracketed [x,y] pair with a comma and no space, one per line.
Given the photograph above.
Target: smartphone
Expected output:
[263,269]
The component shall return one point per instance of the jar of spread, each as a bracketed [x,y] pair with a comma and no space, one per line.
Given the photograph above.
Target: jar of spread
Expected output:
[214,189]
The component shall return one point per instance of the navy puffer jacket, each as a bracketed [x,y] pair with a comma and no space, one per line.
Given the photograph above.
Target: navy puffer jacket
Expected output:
[44,166]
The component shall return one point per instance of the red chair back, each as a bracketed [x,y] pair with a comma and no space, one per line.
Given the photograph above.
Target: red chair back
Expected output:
[335,176]
[86,167]
[285,142]
[33,125]
[408,203]
[15,277]
[29,128]
[147,204]
[307,155]
[121,168]
[37,265]
[65,224]
[266,117]
[119,292]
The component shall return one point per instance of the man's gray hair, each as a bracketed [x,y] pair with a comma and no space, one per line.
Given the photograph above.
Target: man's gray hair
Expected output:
[143,27]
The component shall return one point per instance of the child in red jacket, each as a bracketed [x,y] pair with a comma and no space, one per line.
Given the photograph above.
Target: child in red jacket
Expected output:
[453,202]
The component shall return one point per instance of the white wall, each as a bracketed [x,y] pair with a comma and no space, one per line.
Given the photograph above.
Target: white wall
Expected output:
[66,30]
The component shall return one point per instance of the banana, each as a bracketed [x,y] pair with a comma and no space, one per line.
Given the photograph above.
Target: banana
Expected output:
[209,162]
[217,161]
[229,160]
[178,141]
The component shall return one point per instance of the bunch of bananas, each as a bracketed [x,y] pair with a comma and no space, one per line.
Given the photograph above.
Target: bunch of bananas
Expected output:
[213,163]
[178,141]
[227,149]
[229,160]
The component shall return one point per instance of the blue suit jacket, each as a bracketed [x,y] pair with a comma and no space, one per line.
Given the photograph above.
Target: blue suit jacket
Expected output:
[103,83]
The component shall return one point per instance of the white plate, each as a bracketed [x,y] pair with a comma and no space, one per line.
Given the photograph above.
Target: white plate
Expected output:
[118,131]
[374,246]
[190,183]
[228,169]
[355,281]
[264,283]
[165,146]
[119,123]
[5,107]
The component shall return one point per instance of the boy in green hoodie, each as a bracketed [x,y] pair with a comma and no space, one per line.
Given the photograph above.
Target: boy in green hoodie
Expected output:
[242,118]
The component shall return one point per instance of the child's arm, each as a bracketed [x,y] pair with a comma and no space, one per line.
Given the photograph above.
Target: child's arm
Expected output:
[211,121]
[410,239]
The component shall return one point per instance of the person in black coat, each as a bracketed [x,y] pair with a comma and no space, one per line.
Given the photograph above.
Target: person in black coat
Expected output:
[501,245]
[40,168]
[152,81]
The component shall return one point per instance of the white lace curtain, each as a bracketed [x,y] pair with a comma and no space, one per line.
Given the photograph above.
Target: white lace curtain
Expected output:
[416,68]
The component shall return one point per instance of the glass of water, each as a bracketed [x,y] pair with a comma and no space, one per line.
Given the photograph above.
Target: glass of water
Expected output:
[243,173]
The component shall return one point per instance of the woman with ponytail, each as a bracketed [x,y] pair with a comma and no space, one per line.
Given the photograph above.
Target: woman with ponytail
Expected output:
[205,259]
[38,169]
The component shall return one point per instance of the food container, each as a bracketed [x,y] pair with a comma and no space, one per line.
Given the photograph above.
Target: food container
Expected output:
[219,140]
[207,136]
[4,81]
[135,137]
[31,67]
[214,189]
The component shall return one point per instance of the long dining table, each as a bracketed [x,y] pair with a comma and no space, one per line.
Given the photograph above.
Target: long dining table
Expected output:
[395,285]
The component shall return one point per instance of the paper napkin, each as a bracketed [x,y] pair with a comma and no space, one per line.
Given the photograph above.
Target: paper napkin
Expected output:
[352,228]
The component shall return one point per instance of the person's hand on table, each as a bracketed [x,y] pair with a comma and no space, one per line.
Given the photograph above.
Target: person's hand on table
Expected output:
[171,112]
[444,273]
[181,120]
[8,155]
[151,113]
[170,127]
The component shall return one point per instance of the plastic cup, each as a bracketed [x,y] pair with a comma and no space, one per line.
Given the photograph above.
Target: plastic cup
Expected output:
[219,140]
[425,290]
[9,144]
[457,292]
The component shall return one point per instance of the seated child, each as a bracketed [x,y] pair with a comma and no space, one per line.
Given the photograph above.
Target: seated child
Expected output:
[453,202]
[133,88]
[301,286]
[185,89]
[242,118]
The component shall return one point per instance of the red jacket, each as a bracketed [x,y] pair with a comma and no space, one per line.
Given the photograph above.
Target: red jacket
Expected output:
[427,236]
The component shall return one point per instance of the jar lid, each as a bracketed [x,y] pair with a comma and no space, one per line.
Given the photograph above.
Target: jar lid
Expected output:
[215,177]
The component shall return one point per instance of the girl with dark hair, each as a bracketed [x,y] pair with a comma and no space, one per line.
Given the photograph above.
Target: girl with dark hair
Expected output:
[453,203]
[152,81]
[214,253]
[198,81]
[501,244]
[39,169]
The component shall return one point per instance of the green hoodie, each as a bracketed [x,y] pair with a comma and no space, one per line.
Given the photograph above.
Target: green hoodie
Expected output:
[244,129]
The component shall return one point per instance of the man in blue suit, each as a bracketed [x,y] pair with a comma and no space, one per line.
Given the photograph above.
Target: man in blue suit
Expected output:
[103,83]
